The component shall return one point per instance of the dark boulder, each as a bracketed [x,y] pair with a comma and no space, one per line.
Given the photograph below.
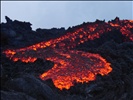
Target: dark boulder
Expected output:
[14,96]
[9,33]
[33,87]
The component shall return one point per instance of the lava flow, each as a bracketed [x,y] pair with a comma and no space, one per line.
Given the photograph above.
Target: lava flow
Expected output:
[71,65]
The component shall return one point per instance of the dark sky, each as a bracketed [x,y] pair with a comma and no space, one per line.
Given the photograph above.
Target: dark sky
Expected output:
[48,14]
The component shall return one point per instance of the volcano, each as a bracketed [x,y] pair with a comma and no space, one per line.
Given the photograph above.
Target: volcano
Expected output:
[79,55]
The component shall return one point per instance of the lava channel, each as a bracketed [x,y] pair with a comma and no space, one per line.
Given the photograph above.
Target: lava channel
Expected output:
[75,66]
[69,66]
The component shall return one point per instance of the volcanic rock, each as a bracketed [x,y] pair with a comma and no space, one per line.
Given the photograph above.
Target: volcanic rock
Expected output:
[15,96]
[20,34]
[8,20]
[112,40]
[33,87]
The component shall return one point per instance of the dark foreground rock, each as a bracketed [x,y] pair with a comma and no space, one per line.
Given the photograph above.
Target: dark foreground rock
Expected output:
[32,86]
[15,96]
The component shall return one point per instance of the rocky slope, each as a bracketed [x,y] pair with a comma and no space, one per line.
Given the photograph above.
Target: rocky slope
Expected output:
[113,41]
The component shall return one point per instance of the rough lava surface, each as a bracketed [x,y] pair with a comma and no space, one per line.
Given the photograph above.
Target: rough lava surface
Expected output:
[85,60]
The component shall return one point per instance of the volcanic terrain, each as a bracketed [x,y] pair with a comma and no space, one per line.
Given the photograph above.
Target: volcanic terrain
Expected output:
[91,61]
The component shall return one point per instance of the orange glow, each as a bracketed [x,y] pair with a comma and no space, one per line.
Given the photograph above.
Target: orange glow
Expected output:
[114,24]
[9,52]
[71,65]
[80,67]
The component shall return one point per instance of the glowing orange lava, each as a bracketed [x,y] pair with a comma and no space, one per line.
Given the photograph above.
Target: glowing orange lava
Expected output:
[80,67]
[71,65]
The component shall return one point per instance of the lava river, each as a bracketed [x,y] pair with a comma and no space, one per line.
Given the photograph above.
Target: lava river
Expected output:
[72,66]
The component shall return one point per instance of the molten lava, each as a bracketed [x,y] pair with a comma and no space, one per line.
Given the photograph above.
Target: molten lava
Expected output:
[78,67]
[72,66]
